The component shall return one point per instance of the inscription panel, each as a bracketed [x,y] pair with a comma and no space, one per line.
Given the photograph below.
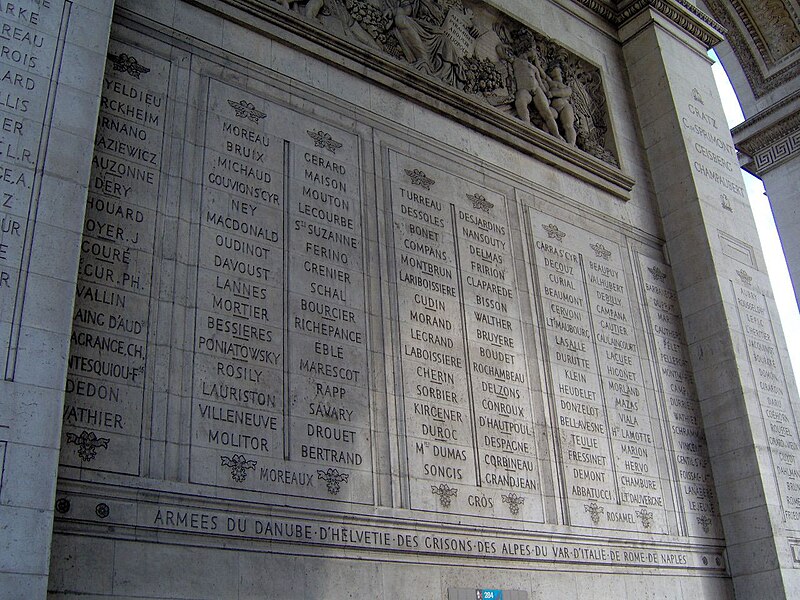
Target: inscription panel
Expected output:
[29,52]
[606,424]
[685,440]
[777,408]
[280,400]
[714,158]
[108,353]
[467,408]
[279,393]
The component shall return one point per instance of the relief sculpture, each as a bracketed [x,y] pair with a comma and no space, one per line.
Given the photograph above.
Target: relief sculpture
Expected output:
[472,47]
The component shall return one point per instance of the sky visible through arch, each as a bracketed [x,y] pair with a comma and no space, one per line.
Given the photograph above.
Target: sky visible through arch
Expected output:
[765,223]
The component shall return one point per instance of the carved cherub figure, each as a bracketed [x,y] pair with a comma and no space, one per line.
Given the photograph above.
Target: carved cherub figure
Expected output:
[532,88]
[560,94]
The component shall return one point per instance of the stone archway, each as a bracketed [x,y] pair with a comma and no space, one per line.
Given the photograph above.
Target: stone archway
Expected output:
[761,55]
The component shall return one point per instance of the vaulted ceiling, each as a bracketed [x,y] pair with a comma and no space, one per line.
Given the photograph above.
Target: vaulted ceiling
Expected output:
[765,36]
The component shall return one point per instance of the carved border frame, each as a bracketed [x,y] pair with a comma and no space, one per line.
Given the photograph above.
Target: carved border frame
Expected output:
[384,70]
[760,83]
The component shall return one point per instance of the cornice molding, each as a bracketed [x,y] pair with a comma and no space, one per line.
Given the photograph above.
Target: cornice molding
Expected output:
[688,17]
[771,143]
[761,83]
[766,114]
[493,114]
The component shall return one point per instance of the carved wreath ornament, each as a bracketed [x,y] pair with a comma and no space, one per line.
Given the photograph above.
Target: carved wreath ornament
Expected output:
[323,139]
[238,465]
[333,478]
[467,45]
[601,251]
[445,493]
[479,202]
[87,443]
[247,110]
[595,511]
[657,273]
[705,522]
[744,277]
[646,517]
[514,502]
[553,232]
[126,63]
[418,177]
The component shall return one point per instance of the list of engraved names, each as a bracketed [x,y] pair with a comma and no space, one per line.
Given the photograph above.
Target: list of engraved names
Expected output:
[108,353]
[605,421]
[468,422]
[28,41]
[280,397]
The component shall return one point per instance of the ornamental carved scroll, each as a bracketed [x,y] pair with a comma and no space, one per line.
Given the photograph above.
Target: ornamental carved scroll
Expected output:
[473,47]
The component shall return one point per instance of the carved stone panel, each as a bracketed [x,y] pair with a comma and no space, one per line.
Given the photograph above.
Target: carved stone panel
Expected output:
[469,430]
[474,48]
[31,54]
[777,406]
[106,367]
[606,424]
[281,401]
[355,343]
[685,442]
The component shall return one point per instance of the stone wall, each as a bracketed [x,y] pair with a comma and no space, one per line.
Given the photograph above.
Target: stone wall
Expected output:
[347,323]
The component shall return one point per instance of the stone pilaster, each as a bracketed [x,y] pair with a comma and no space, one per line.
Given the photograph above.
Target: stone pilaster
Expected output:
[743,376]
[52,64]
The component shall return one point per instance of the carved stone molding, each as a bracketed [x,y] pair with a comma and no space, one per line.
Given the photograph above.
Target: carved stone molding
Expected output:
[771,25]
[765,68]
[771,146]
[467,55]
[685,15]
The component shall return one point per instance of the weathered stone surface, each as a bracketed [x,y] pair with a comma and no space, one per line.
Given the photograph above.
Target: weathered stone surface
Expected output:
[344,321]
[50,69]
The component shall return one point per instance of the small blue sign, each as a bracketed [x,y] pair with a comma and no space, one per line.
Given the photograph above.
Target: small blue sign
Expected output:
[489,594]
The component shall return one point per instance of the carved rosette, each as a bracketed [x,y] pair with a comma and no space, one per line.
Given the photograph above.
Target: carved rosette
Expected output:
[63,506]
[102,510]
